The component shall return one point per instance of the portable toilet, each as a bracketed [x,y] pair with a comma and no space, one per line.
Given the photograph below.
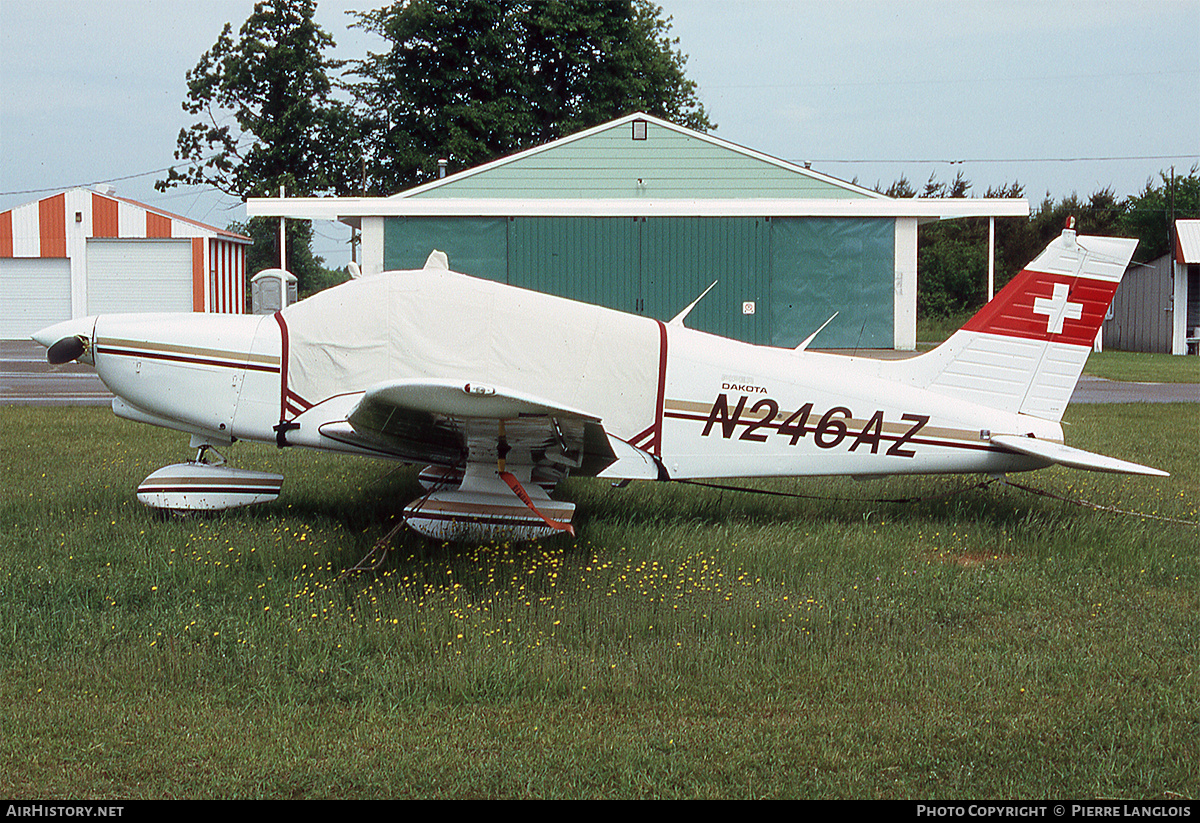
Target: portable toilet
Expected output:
[272,290]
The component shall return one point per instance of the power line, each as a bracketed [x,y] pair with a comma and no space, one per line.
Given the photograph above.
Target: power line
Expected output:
[94,182]
[946,81]
[1010,159]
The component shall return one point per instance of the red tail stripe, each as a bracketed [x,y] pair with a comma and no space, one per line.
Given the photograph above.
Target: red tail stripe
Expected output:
[1027,308]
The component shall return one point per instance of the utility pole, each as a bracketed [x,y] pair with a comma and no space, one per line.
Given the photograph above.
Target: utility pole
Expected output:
[282,237]
[283,286]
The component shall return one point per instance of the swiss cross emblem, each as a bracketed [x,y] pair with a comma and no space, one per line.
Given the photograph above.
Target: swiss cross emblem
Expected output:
[1057,309]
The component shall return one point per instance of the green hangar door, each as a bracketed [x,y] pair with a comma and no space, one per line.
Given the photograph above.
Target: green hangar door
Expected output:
[651,266]
[822,265]
[777,279]
[683,256]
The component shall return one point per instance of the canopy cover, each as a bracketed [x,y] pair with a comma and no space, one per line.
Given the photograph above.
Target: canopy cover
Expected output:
[433,323]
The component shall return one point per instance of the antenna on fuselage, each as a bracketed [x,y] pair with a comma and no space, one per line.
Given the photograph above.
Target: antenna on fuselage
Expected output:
[677,320]
[437,260]
[804,344]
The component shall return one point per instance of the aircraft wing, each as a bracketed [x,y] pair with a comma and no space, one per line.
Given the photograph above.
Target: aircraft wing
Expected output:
[1075,458]
[451,423]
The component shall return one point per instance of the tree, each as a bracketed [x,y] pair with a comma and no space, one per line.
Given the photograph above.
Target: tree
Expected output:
[269,115]
[1149,216]
[901,188]
[472,81]
[952,255]
[952,259]
[270,120]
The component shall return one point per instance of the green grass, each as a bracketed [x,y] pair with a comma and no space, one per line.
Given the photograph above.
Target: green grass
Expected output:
[1139,367]
[689,643]
[934,330]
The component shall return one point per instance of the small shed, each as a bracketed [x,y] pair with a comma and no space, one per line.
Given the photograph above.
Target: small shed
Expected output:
[1140,316]
[1157,307]
[272,290]
[84,252]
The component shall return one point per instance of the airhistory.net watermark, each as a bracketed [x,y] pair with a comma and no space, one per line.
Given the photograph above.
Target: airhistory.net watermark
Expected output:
[52,810]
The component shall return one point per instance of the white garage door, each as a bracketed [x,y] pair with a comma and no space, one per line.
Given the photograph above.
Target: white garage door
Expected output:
[34,293]
[139,275]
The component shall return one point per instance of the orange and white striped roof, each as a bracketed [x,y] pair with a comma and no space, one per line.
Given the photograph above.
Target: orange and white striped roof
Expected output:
[40,228]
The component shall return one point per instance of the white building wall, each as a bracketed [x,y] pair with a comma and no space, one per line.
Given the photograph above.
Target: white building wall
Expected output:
[904,302]
[1179,299]
[27,241]
[372,245]
[131,221]
[78,201]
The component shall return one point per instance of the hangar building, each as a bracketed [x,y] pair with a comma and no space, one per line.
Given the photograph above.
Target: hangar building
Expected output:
[642,215]
[84,251]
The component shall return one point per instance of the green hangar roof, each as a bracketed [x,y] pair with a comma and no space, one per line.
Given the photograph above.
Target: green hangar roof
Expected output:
[639,156]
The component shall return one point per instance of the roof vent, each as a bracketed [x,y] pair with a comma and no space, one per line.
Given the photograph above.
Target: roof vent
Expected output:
[639,129]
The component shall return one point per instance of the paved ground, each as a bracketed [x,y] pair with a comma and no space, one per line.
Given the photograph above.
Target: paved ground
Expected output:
[1098,390]
[26,379]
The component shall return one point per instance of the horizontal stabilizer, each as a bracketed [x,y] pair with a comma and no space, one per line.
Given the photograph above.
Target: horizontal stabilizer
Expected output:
[1075,458]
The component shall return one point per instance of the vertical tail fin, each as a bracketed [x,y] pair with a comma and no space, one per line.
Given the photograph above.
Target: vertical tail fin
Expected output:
[1024,351]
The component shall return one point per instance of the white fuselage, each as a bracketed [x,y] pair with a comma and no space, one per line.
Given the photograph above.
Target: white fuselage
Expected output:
[714,407]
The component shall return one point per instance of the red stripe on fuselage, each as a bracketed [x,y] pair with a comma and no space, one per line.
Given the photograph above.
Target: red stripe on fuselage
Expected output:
[283,364]
[656,444]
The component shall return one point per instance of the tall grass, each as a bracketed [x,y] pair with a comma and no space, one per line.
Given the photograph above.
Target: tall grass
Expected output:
[690,643]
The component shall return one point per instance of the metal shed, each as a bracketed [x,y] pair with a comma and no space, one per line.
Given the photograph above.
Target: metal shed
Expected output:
[1157,307]
[642,215]
[1140,316]
[83,252]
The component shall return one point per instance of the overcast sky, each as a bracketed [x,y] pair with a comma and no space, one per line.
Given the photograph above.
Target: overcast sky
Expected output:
[1061,97]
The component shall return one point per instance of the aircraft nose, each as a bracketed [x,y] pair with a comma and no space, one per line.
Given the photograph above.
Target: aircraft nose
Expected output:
[68,340]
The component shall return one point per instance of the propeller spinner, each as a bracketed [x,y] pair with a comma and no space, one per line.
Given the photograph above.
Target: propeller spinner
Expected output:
[68,340]
[67,349]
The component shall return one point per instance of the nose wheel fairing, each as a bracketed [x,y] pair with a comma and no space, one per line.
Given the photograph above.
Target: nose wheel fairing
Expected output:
[198,486]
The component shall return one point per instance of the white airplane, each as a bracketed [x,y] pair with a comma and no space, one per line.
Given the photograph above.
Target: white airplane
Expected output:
[500,391]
